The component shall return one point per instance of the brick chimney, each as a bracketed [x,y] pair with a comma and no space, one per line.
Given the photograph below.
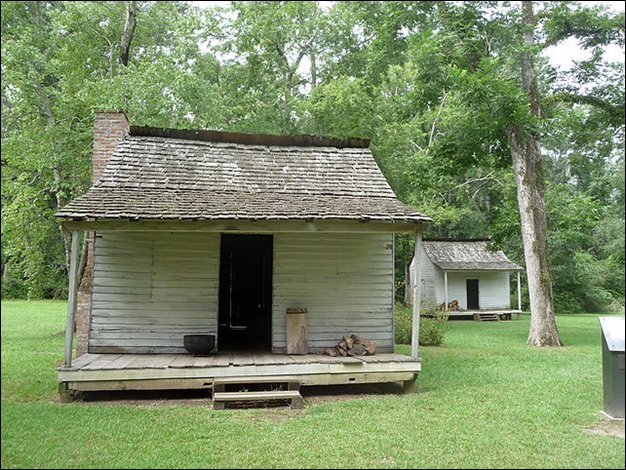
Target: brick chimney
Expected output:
[110,128]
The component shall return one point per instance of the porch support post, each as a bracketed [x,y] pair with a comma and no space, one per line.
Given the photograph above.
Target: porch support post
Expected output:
[417,295]
[519,293]
[445,287]
[71,299]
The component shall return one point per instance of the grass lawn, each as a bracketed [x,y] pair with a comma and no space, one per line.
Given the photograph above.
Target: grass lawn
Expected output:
[484,400]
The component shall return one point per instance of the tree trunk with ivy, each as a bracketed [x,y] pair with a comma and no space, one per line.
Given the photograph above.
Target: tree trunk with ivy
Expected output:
[525,144]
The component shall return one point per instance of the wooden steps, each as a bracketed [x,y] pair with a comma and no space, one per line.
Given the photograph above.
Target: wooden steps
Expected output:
[280,388]
[486,317]
[220,398]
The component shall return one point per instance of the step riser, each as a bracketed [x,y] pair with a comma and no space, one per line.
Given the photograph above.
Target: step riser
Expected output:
[221,397]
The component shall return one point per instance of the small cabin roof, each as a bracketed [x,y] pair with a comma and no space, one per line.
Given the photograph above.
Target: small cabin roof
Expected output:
[467,255]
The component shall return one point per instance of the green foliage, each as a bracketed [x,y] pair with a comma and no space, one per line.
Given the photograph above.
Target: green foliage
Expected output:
[403,319]
[342,108]
[13,288]
[434,85]
[432,329]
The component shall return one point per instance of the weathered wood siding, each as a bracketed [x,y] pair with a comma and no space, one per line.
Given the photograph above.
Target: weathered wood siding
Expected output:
[493,288]
[429,273]
[149,289]
[345,280]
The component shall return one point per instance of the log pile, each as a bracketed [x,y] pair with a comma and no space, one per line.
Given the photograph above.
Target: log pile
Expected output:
[352,345]
[452,305]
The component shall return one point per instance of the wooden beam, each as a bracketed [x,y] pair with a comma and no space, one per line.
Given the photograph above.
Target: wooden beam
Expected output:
[445,286]
[417,275]
[326,371]
[249,226]
[519,293]
[206,381]
[71,299]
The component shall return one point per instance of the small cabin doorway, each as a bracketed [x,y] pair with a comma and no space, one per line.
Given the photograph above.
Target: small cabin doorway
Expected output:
[245,292]
[471,287]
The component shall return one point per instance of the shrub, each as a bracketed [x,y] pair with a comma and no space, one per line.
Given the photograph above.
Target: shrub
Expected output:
[403,321]
[433,329]
[13,288]
[433,325]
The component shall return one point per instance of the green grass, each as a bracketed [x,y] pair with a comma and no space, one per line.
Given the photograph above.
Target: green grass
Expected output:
[484,400]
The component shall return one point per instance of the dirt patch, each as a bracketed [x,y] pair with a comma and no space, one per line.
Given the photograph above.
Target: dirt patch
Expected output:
[609,427]
[315,394]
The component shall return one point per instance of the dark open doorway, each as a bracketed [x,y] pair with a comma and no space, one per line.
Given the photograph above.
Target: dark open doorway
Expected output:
[245,303]
[472,294]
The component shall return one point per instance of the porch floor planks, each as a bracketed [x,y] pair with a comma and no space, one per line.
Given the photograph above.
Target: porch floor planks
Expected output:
[177,361]
[206,361]
[243,359]
[182,361]
[393,357]
[101,361]
[120,363]
[180,370]
[224,360]
[83,360]
[263,359]
[151,361]
[324,359]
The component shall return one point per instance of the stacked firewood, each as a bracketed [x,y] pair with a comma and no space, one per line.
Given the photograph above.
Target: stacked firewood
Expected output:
[452,305]
[352,345]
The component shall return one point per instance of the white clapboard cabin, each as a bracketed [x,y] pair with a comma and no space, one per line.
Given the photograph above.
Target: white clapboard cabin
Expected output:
[203,232]
[468,280]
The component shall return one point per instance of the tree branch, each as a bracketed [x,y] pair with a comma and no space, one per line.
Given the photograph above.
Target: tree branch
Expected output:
[616,113]
[127,34]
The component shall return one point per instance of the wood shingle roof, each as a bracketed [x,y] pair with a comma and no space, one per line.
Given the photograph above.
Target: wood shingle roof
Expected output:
[168,175]
[467,255]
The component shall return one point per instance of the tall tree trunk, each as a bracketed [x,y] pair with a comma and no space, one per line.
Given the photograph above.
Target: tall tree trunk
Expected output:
[526,153]
[129,31]
[527,167]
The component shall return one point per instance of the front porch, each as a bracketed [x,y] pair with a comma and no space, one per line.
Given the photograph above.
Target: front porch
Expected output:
[483,315]
[109,372]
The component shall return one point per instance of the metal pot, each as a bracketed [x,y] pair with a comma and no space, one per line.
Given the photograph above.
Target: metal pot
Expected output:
[199,344]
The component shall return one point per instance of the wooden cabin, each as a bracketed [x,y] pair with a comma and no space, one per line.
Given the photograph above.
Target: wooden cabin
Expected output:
[226,234]
[468,280]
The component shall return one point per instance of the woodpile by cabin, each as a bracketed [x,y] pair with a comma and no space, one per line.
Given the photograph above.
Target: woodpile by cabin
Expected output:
[353,345]
[452,305]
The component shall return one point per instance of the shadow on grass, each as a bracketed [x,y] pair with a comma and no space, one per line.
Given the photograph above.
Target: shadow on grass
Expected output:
[310,393]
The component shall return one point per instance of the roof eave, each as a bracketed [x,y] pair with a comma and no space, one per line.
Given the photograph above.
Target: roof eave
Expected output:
[245,224]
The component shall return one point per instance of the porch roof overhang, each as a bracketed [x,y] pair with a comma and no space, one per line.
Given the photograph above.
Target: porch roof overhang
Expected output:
[465,266]
[243,225]
[488,268]
[128,209]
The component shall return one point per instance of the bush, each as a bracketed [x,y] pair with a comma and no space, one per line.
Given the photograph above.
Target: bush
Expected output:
[13,288]
[433,325]
[433,329]
[402,322]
